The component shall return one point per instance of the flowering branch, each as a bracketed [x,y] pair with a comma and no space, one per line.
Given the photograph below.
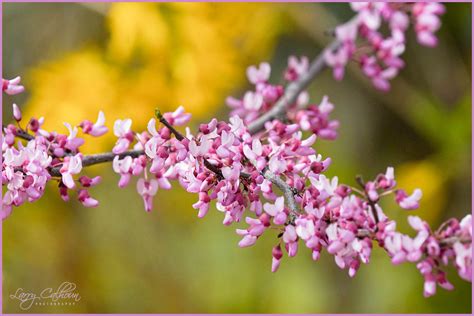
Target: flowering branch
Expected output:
[293,90]
[239,163]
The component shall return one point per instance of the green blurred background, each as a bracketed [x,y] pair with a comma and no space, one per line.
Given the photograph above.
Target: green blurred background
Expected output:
[128,58]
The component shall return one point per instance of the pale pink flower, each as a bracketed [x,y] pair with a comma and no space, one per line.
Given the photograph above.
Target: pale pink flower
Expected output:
[305,228]
[409,202]
[71,165]
[277,210]
[252,101]
[122,129]
[73,142]
[123,167]
[12,86]
[227,141]
[254,154]
[290,238]
[260,74]
[464,260]
[178,117]
[86,199]
[203,204]
[205,143]
[296,67]
[96,129]
[277,254]
[147,189]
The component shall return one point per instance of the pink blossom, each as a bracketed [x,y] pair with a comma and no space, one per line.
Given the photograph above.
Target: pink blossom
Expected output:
[12,86]
[338,238]
[387,180]
[203,204]
[97,129]
[337,60]
[252,101]
[123,167]
[464,260]
[427,22]
[256,228]
[124,134]
[71,165]
[277,210]
[86,200]
[325,186]
[305,228]
[277,254]
[316,119]
[290,238]
[147,189]
[254,154]
[381,54]
[89,182]
[296,67]
[227,141]
[201,147]
[260,74]
[73,142]
[178,117]
[409,202]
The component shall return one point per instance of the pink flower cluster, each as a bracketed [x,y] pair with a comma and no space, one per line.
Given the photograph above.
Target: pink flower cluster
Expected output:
[341,219]
[379,55]
[308,117]
[44,156]
[451,243]
[159,155]
[24,172]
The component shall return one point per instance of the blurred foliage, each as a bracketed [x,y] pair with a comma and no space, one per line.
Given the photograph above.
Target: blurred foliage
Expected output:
[127,59]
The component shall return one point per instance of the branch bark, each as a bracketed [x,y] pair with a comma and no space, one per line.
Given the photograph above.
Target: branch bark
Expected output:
[285,188]
[94,159]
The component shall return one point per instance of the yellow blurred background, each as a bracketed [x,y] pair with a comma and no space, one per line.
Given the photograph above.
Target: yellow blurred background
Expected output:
[129,58]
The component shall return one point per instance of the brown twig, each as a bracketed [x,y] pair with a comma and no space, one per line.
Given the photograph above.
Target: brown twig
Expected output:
[21,134]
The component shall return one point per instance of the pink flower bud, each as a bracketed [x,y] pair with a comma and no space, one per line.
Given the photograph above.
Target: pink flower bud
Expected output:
[16,112]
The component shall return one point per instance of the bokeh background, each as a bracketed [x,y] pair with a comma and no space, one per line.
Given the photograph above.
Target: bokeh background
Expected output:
[127,59]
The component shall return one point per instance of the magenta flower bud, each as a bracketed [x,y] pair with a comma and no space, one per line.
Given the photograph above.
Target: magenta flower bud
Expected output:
[88,182]
[276,252]
[59,152]
[34,125]
[28,181]
[63,191]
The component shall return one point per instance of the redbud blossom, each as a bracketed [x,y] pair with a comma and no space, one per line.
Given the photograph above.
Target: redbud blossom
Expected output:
[97,129]
[12,86]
